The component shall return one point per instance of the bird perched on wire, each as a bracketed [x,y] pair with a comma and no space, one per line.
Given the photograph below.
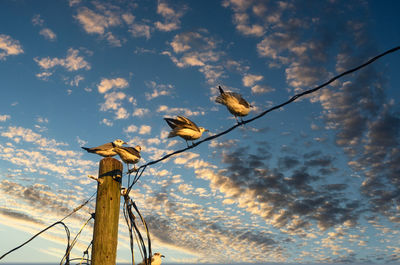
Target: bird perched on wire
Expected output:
[184,128]
[130,155]
[155,260]
[105,150]
[235,103]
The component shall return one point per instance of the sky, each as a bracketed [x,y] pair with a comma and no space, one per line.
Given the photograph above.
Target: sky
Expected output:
[316,181]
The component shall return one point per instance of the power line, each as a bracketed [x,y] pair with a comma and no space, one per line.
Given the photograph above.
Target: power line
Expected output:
[66,256]
[141,169]
[44,230]
[56,223]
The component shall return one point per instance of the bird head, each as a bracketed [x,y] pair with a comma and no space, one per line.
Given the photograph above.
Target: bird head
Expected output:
[119,142]
[159,254]
[202,129]
[138,148]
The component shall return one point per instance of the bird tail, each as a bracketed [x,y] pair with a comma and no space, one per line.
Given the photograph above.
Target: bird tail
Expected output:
[171,134]
[170,122]
[220,90]
[221,98]
[87,149]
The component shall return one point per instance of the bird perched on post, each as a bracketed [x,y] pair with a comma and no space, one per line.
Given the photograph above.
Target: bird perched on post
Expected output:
[155,260]
[130,155]
[184,128]
[105,150]
[235,103]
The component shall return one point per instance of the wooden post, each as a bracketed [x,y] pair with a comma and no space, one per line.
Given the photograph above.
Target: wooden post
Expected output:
[105,232]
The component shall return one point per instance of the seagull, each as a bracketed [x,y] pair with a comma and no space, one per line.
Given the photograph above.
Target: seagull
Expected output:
[235,103]
[184,128]
[105,150]
[155,260]
[130,155]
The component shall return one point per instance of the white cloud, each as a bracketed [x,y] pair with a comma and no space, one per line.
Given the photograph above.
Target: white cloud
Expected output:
[121,113]
[128,18]
[9,46]
[199,50]
[18,133]
[42,120]
[260,89]
[44,75]
[166,26]
[48,34]
[178,111]
[254,30]
[171,17]
[237,5]
[113,101]
[107,122]
[145,129]
[75,81]
[299,75]
[184,158]
[114,41]
[72,62]
[107,84]
[94,23]
[4,117]
[158,90]
[249,79]
[140,112]
[140,30]
[37,20]
[74,2]
[131,129]
[242,25]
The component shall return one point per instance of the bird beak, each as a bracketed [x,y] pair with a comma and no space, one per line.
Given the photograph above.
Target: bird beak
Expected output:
[124,143]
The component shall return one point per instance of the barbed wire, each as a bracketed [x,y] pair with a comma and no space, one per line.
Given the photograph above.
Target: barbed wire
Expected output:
[139,171]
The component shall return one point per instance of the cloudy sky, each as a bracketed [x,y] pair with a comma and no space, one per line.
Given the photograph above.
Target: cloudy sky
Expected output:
[316,181]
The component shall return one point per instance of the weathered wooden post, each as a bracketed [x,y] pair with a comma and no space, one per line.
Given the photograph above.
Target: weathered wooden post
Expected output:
[105,233]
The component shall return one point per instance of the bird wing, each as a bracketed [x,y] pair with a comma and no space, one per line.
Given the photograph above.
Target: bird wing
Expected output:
[241,100]
[131,150]
[171,122]
[186,123]
[221,90]
[106,146]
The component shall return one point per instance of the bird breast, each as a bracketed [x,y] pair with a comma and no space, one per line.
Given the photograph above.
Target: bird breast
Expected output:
[188,134]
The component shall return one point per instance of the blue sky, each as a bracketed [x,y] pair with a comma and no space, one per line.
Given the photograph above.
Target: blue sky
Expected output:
[316,181]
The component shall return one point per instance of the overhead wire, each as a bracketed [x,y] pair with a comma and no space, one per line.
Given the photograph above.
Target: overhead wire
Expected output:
[50,226]
[36,235]
[75,240]
[130,218]
[86,253]
[139,171]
